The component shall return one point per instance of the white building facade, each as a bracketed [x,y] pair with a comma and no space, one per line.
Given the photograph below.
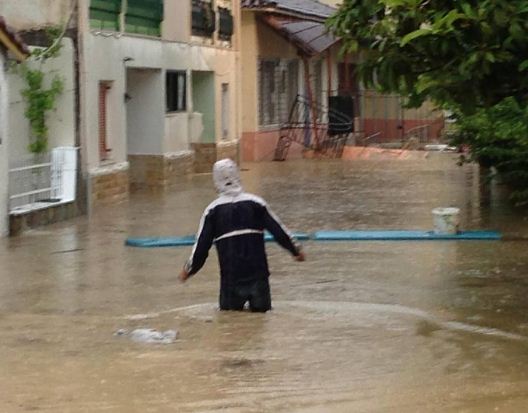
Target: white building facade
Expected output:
[158,90]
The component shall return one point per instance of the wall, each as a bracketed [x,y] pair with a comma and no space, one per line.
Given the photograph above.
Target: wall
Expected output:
[179,11]
[61,121]
[272,45]
[3,150]
[203,87]
[109,53]
[34,14]
[249,75]
[145,111]
[177,132]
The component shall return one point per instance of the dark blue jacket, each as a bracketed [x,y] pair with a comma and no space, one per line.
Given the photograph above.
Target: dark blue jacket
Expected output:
[236,225]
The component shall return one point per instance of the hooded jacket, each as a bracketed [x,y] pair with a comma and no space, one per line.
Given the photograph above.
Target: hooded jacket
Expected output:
[235,223]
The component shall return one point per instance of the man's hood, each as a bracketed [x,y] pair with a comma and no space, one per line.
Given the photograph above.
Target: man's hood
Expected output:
[227,178]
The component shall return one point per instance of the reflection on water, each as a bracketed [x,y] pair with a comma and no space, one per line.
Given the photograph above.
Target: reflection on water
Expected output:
[364,326]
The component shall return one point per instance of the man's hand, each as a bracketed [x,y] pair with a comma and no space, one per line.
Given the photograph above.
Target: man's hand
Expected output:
[184,275]
[301,257]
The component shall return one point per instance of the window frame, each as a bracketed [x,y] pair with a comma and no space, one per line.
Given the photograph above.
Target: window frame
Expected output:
[173,99]
[277,91]
[199,26]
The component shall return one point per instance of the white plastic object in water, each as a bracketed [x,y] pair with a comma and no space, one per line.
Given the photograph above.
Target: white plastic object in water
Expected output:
[149,335]
[446,220]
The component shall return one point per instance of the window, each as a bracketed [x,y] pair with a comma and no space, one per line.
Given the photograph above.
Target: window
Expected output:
[176,91]
[104,14]
[203,18]
[141,16]
[278,90]
[144,17]
[225,31]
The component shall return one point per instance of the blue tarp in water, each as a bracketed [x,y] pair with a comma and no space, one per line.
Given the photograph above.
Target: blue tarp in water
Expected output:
[187,240]
[394,235]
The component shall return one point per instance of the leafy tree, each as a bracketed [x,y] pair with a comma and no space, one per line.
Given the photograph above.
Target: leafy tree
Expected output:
[470,56]
[463,53]
[498,138]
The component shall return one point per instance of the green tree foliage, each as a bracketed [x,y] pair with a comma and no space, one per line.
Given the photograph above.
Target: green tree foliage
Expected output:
[39,98]
[469,56]
[464,53]
[39,101]
[498,138]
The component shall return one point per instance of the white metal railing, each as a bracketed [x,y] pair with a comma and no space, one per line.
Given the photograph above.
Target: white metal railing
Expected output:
[41,181]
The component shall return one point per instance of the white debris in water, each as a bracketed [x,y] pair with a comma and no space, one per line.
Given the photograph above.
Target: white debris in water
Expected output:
[137,317]
[149,335]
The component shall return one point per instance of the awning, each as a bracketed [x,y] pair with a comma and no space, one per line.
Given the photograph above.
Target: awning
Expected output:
[312,38]
[311,9]
[12,42]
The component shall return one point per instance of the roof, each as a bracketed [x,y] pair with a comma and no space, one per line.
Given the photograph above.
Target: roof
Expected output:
[306,8]
[12,42]
[309,36]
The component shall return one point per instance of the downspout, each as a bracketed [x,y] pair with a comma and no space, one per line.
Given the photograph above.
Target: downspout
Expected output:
[83,176]
[329,71]
[306,63]
[81,191]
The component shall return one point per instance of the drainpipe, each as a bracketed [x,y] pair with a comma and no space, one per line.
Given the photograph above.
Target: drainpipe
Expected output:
[329,71]
[83,176]
[306,63]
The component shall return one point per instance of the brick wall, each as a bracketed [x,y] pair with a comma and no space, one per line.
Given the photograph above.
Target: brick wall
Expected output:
[159,170]
[109,187]
[34,219]
[204,156]
[227,150]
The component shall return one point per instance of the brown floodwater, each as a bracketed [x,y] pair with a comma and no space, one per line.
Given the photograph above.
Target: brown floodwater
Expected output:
[359,327]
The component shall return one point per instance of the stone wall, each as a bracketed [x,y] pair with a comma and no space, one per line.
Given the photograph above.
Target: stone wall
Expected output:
[159,170]
[206,154]
[40,217]
[204,157]
[109,184]
[227,150]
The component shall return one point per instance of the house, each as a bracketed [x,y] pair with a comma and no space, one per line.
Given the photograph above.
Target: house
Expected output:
[159,91]
[286,53]
[38,191]
[11,47]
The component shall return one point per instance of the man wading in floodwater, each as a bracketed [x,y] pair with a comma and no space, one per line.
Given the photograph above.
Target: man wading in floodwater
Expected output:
[235,222]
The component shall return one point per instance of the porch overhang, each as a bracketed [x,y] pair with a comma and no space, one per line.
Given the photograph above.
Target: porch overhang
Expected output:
[310,37]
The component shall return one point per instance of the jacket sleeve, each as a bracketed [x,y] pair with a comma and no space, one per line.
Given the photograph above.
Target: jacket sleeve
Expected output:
[281,234]
[204,240]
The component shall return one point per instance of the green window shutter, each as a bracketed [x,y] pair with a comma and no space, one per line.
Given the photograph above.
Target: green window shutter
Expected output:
[144,17]
[104,14]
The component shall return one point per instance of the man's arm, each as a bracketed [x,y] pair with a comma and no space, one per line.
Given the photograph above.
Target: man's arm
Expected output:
[204,240]
[281,234]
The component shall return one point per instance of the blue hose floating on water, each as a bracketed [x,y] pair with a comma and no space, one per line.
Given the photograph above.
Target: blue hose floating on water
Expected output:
[391,235]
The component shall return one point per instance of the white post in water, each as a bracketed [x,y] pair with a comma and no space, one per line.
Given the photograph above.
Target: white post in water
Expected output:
[446,220]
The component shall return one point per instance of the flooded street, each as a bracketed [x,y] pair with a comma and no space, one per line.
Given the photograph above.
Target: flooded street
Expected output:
[359,327]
